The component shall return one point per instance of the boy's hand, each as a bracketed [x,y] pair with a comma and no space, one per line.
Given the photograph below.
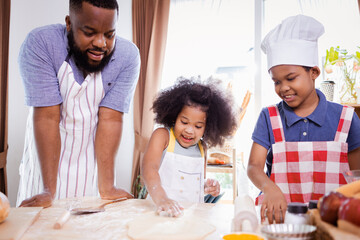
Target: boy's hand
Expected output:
[169,208]
[212,187]
[273,206]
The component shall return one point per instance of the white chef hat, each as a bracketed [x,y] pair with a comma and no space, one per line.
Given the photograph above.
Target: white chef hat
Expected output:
[293,42]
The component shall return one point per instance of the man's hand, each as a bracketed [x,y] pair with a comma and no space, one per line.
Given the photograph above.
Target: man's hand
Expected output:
[43,199]
[115,193]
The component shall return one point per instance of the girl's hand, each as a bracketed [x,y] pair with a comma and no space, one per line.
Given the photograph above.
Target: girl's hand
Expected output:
[169,208]
[212,187]
[274,205]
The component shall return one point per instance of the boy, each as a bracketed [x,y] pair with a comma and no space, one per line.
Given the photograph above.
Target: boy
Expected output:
[306,141]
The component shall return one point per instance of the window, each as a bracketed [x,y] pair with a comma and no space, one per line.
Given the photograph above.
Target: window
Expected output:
[211,38]
[216,38]
[341,20]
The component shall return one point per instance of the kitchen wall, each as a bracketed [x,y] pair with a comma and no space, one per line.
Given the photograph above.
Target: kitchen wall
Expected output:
[26,15]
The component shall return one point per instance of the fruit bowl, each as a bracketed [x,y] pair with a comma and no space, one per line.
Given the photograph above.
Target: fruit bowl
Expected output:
[352,175]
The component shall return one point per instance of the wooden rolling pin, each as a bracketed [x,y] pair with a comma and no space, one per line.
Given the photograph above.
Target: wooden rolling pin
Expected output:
[62,219]
[245,219]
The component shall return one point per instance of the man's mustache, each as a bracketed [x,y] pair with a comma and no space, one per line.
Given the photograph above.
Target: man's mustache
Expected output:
[96,49]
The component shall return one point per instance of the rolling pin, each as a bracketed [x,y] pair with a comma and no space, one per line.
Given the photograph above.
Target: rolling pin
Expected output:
[62,219]
[245,219]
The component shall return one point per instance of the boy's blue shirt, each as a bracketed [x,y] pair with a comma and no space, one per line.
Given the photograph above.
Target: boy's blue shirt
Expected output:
[320,125]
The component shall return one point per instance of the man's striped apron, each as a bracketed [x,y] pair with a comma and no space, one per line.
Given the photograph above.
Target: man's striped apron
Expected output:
[77,172]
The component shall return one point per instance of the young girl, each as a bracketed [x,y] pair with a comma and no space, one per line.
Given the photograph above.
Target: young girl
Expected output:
[306,141]
[173,167]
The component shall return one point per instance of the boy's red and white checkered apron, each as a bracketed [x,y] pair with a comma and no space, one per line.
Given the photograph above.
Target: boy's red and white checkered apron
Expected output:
[305,171]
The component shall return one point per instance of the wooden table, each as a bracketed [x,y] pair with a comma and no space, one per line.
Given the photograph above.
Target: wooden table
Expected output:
[112,224]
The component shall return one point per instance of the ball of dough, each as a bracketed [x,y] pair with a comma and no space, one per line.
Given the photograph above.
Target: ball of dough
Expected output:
[4,207]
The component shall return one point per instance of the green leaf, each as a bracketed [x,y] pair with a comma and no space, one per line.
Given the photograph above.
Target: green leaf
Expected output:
[357,56]
[333,55]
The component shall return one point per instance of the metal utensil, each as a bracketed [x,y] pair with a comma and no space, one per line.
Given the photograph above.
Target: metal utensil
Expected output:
[100,208]
[78,211]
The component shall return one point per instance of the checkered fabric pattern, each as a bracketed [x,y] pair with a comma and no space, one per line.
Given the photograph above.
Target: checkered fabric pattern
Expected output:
[307,170]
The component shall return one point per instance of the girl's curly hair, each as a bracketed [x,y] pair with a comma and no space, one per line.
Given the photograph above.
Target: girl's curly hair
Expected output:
[221,119]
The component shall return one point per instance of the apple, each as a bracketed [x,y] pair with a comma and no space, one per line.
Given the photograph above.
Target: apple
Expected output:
[350,211]
[329,206]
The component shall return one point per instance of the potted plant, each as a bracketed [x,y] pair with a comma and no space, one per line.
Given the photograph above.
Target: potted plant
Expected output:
[345,68]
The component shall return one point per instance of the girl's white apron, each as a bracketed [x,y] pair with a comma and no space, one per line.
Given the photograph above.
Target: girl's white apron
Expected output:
[182,177]
[77,174]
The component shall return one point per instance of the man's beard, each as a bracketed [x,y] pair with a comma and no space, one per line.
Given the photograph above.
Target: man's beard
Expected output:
[81,58]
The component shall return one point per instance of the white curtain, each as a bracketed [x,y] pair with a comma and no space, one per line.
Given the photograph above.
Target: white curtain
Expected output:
[204,35]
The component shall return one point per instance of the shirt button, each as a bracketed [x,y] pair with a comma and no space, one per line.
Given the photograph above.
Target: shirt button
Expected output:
[198,178]
[304,133]
[182,177]
[305,120]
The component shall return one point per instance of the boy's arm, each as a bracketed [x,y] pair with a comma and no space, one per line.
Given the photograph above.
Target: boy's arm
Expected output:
[274,203]
[150,166]
[354,159]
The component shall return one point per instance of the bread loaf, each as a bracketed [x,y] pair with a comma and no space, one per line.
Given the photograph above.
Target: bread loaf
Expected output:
[357,195]
[4,207]
[222,157]
[350,189]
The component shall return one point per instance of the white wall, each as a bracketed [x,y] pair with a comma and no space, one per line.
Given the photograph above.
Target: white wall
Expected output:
[26,15]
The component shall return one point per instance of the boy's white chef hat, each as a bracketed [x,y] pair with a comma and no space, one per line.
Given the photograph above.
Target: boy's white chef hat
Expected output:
[293,42]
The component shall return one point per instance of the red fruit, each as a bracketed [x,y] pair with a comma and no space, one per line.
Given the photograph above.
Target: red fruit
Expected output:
[329,206]
[350,211]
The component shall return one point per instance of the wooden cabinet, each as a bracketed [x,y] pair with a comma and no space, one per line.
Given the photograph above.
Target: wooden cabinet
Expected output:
[227,169]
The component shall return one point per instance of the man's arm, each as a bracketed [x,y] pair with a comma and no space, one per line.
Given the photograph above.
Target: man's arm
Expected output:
[107,140]
[47,140]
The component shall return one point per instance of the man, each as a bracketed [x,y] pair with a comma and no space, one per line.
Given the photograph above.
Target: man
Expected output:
[79,80]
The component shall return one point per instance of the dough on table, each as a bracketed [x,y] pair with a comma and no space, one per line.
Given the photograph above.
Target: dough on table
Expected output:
[152,226]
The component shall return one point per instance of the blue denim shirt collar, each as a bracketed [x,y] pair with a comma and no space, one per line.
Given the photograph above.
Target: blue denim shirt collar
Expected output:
[318,116]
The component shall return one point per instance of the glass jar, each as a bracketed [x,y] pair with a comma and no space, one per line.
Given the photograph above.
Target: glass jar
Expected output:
[297,214]
[313,204]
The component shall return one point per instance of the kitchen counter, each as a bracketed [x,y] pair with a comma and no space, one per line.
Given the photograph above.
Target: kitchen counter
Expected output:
[112,224]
